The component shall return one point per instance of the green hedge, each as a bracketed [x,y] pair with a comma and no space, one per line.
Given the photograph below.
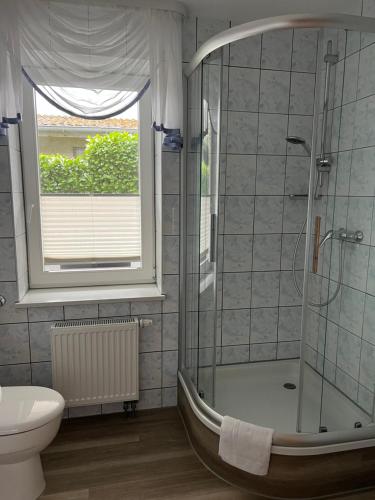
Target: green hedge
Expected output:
[108,165]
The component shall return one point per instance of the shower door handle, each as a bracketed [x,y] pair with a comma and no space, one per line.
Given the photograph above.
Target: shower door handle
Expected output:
[212,238]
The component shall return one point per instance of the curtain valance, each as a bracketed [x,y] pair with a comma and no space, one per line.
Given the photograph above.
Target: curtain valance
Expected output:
[92,59]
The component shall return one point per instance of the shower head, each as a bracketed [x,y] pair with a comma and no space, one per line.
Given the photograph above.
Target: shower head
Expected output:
[293,139]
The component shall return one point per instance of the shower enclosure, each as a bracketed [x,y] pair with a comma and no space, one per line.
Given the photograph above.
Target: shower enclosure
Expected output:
[262,213]
[202,199]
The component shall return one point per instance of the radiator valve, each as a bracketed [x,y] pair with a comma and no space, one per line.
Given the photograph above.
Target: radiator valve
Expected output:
[143,323]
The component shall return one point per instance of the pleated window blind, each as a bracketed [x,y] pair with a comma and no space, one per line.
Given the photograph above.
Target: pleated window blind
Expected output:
[90,230]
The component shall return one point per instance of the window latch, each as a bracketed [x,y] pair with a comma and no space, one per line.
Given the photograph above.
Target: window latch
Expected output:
[30,215]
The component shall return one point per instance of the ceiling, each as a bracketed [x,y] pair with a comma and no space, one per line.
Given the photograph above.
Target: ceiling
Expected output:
[248,10]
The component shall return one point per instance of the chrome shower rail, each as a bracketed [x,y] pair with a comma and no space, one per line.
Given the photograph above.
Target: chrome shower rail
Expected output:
[253,28]
[324,162]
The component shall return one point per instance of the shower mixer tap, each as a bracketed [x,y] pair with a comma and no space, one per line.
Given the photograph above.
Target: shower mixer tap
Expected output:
[343,235]
[323,166]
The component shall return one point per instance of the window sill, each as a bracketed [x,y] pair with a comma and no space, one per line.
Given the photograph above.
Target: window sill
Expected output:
[89,295]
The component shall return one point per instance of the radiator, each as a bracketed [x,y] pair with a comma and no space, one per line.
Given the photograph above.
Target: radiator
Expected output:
[95,361]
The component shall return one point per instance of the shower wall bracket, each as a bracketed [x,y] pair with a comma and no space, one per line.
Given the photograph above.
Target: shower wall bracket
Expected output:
[350,236]
[343,235]
[323,165]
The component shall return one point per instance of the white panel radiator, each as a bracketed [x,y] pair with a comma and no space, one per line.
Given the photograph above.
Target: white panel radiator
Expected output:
[95,361]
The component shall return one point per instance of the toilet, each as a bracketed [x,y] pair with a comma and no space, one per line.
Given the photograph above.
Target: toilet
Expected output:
[29,420]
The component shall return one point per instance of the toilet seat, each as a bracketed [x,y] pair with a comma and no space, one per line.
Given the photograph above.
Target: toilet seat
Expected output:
[25,408]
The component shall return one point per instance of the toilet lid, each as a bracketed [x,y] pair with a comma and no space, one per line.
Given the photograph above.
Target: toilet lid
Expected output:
[25,408]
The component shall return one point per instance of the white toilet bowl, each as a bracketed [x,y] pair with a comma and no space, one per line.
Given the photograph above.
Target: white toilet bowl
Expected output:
[29,420]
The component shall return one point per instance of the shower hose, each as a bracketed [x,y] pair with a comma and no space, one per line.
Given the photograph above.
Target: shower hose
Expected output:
[339,282]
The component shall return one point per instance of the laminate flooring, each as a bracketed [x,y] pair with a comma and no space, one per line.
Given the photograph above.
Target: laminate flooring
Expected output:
[110,457]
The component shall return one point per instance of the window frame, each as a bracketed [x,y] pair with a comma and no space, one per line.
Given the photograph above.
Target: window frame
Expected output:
[38,277]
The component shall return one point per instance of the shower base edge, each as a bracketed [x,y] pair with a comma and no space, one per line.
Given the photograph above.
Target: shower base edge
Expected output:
[290,477]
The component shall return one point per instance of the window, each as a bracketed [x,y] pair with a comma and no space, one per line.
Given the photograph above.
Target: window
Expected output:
[89,195]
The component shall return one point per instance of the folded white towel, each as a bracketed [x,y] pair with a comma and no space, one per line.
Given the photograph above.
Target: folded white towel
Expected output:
[245,446]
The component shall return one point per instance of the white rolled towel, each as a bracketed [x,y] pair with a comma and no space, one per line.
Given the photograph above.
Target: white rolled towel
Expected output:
[245,446]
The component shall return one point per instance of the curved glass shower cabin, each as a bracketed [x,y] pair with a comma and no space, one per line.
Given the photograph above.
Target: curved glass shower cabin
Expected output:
[278,291]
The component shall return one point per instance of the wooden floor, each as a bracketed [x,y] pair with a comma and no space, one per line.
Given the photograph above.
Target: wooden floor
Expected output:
[147,457]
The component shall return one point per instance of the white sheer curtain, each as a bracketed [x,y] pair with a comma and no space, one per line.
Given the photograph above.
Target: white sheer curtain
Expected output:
[101,49]
[10,67]
[109,50]
[166,82]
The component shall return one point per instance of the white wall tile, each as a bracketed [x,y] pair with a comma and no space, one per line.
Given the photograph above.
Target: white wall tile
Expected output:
[14,344]
[270,176]
[348,353]
[240,175]
[235,354]
[5,186]
[243,89]
[7,260]
[150,336]
[45,313]
[246,53]
[236,327]
[108,309]
[277,50]
[236,290]
[350,78]
[272,132]
[302,93]
[170,331]
[81,311]
[239,213]
[6,219]
[304,50]
[265,289]
[242,132]
[169,397]
[15,374]
[289,323]
[268,214]
[151,307]
[266,252]
[170,367]
[288,350]
[263,352]
[274,91]
[264,325]
[237,253]
[150,370]
[40,341]
[8,312]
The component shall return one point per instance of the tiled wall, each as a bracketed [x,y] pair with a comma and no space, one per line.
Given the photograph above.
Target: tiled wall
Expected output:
[25,356]
[24,343]
[268,94]
[341,338]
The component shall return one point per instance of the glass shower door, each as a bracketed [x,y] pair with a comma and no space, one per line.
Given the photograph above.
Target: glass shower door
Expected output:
[338,356]
[202,177]
[209,185]
[191,237]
